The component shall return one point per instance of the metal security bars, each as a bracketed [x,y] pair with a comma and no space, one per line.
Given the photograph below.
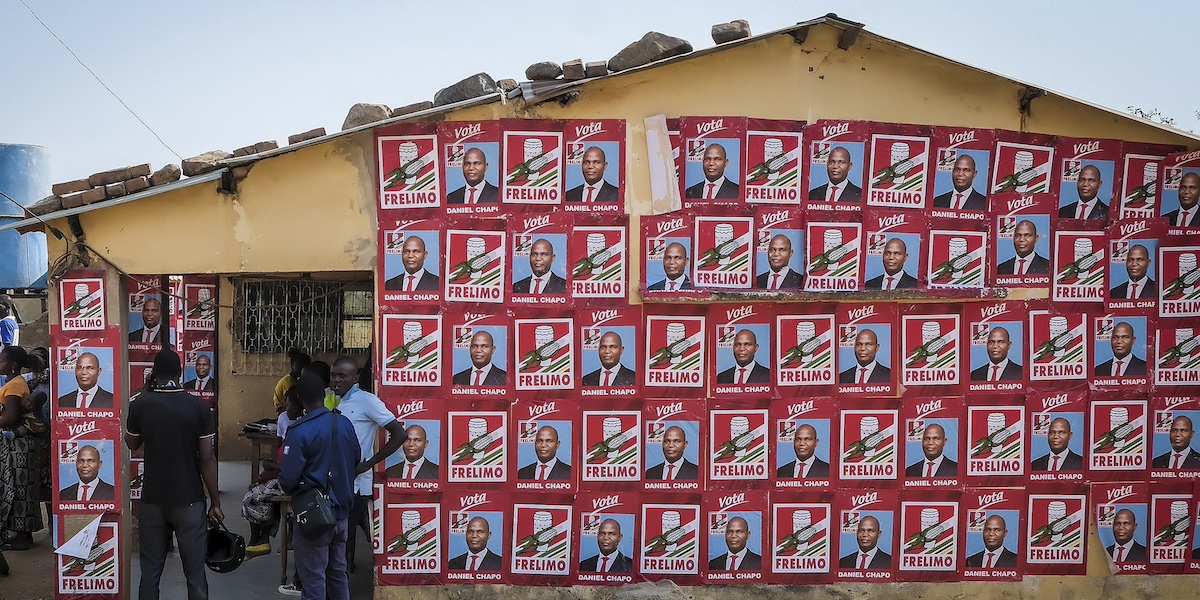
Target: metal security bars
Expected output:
[273,315]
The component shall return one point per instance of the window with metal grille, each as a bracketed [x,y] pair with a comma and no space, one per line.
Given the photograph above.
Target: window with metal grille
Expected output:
[317,316]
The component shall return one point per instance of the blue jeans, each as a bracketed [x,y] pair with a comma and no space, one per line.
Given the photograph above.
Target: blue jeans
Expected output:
[321,563]
[189,522]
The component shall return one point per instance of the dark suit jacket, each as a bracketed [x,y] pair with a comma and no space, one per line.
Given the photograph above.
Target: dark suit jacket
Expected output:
[975,201]
[728,189]
[490,562]
[1038,265]
[163,337]
[554,285]
[625,377]
[1173,219]
[1006,560]
[1147,291]
[607,193]
[103,399]
[428,470]
[489,195]
[1073,462]
[948,468]
[881,374]
[210,387]
[1163,461]
[819,469]
[560,471]
[791,281]
[1136,368]
[906,282]
[882,560]
[620,564]
[1137,553]
[1098,212]
[429,282]
[496,376]
[661,286]
[750,562]
[758,374]
[1011,372]
[688,471]
[852,193]
[104,492]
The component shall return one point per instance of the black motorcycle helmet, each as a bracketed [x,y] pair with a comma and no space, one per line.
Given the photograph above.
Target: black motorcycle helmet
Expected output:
[226,550]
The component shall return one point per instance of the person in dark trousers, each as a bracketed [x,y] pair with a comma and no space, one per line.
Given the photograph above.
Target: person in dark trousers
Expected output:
[175,430]
[321,451]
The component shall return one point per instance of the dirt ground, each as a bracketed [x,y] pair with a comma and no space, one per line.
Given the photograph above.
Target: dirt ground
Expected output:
[30,578]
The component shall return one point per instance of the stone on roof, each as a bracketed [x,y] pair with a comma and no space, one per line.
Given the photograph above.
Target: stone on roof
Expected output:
[653,46]
[479,84]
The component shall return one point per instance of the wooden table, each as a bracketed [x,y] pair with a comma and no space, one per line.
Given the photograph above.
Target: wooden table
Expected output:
[285,538]
[258,440]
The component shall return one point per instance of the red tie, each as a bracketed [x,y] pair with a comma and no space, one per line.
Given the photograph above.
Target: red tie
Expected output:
[478,377]
[473,559]
[929,469]
[409,475]
[1185,217]
[733,562]
[742,375]
[146,336]
[991,560]
[607,379]
[1118,367]
[471,200]
[83,399]
[833,193]
[670,472]
[409,286]
[589,199]
[1176,461]
[774,281]
[1133,290]
[542,474]
[958,200]
[862,561]
[671,286]
[604,559]
[801,467]
[995,376]
[1120,553]
[862,374]
[1054,466]
[86,495]
[1081,211]
[891,283]
[537,286]
[1021,267]
[709,194]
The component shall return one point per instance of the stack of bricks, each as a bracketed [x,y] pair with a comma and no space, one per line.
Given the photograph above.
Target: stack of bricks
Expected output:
[102,186]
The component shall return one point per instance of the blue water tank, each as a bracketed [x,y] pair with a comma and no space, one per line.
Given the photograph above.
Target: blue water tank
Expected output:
[24,176]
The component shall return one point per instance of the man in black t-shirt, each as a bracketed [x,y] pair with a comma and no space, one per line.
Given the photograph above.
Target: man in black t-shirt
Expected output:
[176,430]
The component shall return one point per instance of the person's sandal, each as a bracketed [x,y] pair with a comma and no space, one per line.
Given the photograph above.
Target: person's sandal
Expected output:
[257,550]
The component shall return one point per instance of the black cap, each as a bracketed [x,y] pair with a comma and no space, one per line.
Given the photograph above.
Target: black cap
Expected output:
[310,389]
[166,364]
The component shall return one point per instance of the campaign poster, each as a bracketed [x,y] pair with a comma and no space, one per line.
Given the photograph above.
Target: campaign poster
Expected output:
[533,155]
[88,468]
[546,433]
[410,253]
[671,538]
[712,161]
[412,350]
[805,345]
[779,254]
[469,164]
[1058,348]
[607,543]
[541,542]
[736,523]
[609,351]
[598,257]
[408,166]
[675,354]
[1088,177]
[1021,244]
[97,575]
[479,352]
[139,374]
[836,162]
[743,365]
[893,249]
[804,434]
[148,322]
[773,164]
[477,444]
[868,535]
[1132,265]
[900,166]
[667,262]
[1180,177]
[1023,163]
[1056,530]
[739,447]
[992,554]
[868,450]
[377,509]
[802,531]
[540,275]
[676,140]
[86,382]
[933,442]
[1121,523]
[674,442]
[834,255]
[997,445]
[867,348]
[1120,347]
[1179,272]
[413,538]
[956,259]
[545,353]
[415,467]
[199,357]
[200,303]
[1176,354]
[1173,445]
[994,336]
[1057,435]
[931,344]
[1118,439]
[81,298]
[724,260]
[611,450]
[1079,266]
[1193,559]
[1170,527]
[476,524]
[594,168]
[962,160]
[476,260]
[930,527]
[137,477]
[1140,187]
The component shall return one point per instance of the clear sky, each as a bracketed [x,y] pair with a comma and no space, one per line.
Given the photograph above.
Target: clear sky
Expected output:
[221,74]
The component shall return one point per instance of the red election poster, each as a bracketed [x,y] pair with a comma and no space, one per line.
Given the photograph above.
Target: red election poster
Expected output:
[1170,527]
[476,262]
[962,160]
[591,184]
[675,338]
[779,255]
[1058,348]
[541,542]
[802,538]
[674,443]
[547,437]
[1175,454]
[1021,244]
[378,504]
[991,553]
[408,166]
[470,166]
[1120,349]
[417,466]
[893,249]
[804,441]
[137,473]
[738,444]
[1057,435]
[413,541]
[597,257]
[479,352]
[533,162]
[899,173]
[81,299]
[1140,187]
[805,345]
[1118,444]
[87,474]
[735,523]
[742,365]
[610,449]
[477,527]
[666,263]
[1179,274]
[867,348]
[1022,163]
[1121,523]
[148,320]
[997,446]
[933,442]
[200,303]
[772,166]
[834,251]
[545,353]
[540,275]
[609,351]
[1193,560]
[724,259]
[676,140]
[869,449]
[1176,355]
[607,540]
[410,253]
[671,538]
[1056,529]
[139,373]
[995,341]
[1132,252]
[957,257]
[412,351]
[98,575]
[868,534]
[478,444]
[836,162]
[86,375]
[931,534]
[199,356]
[712,160]
[931,348]
[1181,192]
[1088,177]
[1079,262]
